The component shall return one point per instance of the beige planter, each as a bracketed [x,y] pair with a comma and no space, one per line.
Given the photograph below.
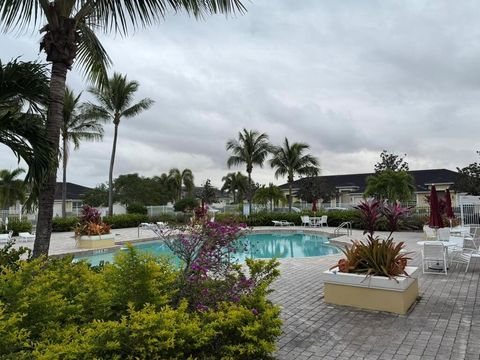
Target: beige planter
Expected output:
[96,242]
[373,292]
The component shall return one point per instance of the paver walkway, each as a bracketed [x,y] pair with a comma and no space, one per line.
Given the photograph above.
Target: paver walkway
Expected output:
[444,324]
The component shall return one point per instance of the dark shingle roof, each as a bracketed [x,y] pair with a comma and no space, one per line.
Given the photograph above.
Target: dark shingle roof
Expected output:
[357,182]
[74,191]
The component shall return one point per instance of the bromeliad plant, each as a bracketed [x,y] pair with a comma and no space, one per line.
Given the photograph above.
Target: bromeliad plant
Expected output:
[91,223]
[376,256]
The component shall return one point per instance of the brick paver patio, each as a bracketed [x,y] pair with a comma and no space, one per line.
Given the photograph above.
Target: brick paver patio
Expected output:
[444,324]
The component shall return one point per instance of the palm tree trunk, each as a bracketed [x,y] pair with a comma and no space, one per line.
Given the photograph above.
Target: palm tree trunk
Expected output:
[64,185]
[289,196]
[250,192]
[46,198]
[110,173]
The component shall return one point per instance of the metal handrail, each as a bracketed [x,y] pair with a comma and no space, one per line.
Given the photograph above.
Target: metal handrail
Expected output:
[347,225]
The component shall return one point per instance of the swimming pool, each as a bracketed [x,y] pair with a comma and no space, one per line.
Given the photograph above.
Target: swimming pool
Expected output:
[258,246]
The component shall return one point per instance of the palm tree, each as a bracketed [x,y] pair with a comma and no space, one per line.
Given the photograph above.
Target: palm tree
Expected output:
[251,148]
[178,179]
[390,185]
[235,184]
[12,189]
[68,35]
[115,100]
[271,194]
[75,128]
[290,160]
[24,85]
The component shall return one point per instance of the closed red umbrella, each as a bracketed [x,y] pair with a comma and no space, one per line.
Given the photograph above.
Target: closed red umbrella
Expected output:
[448,200]
[435,220]
[314,205]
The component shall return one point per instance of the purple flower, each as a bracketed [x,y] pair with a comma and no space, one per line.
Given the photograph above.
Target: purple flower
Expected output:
[255,312]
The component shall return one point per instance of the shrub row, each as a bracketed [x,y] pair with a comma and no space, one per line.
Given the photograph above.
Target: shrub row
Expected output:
[18,226]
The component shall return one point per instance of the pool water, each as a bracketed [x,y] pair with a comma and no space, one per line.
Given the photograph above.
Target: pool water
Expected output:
[256,246]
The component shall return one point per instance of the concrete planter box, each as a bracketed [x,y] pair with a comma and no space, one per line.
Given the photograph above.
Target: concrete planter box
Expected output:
[373,292]
[96,241]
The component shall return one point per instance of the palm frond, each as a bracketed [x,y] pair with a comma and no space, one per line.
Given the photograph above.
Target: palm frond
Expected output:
[136,109]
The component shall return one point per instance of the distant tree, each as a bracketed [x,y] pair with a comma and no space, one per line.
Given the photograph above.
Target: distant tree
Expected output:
[135,189]
[251,148]
[180,179]
[75,128]
[235,184]
[270,194]
[290,160]
[115,102]
[207,194]
[12,189]
[97,197]
[315,189]
[187,204]
[390,161]
[468,180]
[390,185]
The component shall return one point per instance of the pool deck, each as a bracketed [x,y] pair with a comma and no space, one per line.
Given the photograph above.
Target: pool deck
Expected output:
[444,324]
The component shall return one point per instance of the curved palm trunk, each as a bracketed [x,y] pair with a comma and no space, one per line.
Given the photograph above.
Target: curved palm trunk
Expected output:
[250,192]
[110,173]
[64,184]
[47,194]
[289,196]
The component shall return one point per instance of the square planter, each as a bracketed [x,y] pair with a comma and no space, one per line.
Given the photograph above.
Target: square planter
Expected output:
[372,292]
[96,241]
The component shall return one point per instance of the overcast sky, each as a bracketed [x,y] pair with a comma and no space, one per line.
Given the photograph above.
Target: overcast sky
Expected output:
[350,78]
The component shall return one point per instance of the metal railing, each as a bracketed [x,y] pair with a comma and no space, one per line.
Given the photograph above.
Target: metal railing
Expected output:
[346,225]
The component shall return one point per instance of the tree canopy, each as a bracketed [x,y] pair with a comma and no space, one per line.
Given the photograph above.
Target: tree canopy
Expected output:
[390,161]
[468,180]
[390,185]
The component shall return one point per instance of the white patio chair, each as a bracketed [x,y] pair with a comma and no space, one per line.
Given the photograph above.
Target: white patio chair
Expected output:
[473,240]
[4,238]
[434,253]
[430,233]
[305,220]
[25,236]
[463,254]
[323,220]
[443,234]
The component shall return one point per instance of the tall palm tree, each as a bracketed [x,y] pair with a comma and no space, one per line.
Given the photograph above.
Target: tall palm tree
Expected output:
[68,35]
[235,184]
[12,189]
[75,128]
[115,101]
[290,160]
[179,179]
[251,148]
[23,93]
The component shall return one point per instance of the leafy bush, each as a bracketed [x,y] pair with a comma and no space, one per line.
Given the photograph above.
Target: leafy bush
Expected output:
[137,209]
[60,224]
[54,309]
[90,223]
[186,204]
[18,226]
[125,220]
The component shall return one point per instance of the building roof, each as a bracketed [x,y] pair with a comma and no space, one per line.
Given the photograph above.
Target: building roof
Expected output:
[356,183]
[74,191]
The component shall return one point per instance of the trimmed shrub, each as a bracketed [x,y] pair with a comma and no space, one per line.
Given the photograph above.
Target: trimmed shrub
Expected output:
[60,224]
[56,309]
[18,226]
[186,204]
[137,209]
[125,220]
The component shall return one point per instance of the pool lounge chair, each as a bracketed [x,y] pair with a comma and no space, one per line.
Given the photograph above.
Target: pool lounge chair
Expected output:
[4,238]
[282,223]
[26,236]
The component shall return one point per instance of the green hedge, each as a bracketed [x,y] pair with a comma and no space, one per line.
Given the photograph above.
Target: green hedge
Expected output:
[18,226]
[137,209]
[64,224]
[125,220]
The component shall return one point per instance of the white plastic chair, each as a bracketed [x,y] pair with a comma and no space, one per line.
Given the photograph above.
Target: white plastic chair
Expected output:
[434,252]
[430,233]
[25,236]
[4,238]
[443,234]
[323,220]
[463,254]
[305,220]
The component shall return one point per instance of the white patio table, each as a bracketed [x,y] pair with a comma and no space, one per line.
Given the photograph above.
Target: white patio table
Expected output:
[315,220]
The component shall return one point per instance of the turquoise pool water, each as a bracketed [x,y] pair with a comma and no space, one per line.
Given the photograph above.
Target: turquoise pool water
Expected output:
[257,246]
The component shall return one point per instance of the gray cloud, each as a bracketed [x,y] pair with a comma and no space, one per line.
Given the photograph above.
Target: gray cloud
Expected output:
[350,78]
